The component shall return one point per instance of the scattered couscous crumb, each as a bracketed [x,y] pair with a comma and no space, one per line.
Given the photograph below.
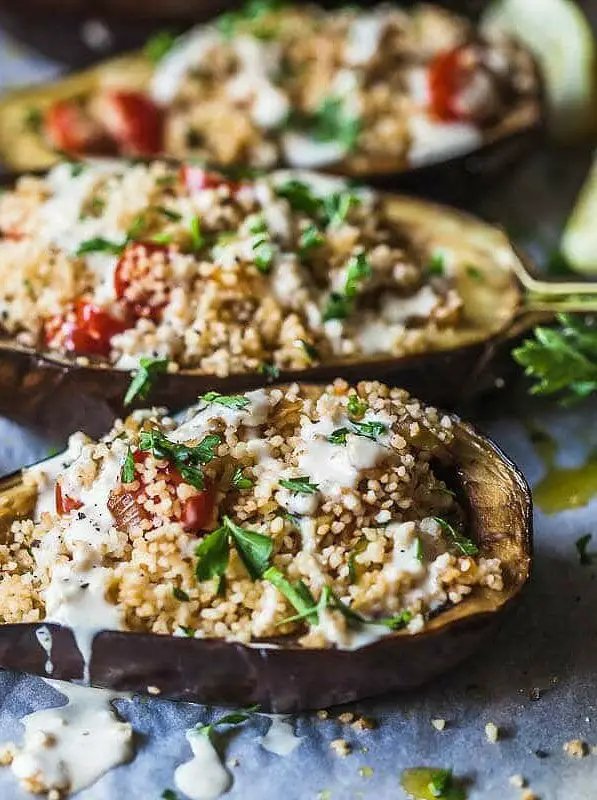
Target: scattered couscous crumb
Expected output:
[54,794]
[529,795]
[7,753]
[346,718]
[366,772]
[576,748]
[439,724]
[364,724]
[323,714]
[518,781]
[341,747]
[233,762]
[492,732]
[153,690]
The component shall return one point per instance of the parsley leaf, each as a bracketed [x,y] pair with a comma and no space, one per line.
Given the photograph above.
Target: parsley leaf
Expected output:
[213,554]
[562,360]
[338,436]
[174,216]
[419,552]
[371,430]
[310,238]
[359,268]
[397,622]
[311,352]
[184,457]
[99,245]
[298,593]
[159,45]
[300,485]
[168,794]
[196,235]
[254,548]
[263,253]
[356,407]
[337,205]
[271,371]
[140,386]
[332,122]
[437,264]
[179,594]
[127,471]
[235,718]
[462,543]
[300,197]
[330,210]
[228,400]
[240,481]
[338,307]
[581,544]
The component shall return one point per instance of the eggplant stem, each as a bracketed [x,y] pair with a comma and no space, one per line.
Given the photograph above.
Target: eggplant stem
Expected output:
[555,296]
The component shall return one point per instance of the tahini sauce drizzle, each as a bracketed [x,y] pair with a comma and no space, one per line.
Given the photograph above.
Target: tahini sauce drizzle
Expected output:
[68,748]
[204,777]
[280,738]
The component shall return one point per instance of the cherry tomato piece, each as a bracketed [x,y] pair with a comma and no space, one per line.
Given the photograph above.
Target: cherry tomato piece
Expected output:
[137,280]
[88,330]
[132,120]
[64,503]
[197,511]
[69,128]
[449,74]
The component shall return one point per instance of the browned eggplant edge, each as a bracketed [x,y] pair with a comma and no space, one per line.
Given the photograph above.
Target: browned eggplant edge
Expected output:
[288,678]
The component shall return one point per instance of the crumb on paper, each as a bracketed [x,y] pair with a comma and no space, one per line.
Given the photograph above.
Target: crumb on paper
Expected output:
[323,714]
[439,724]
[346,718]
[518,781]
[529,795]
[492,732]
[153,690]
[364,724]
[233,762]
[54,794]
[7,754]
[576,748]
[535,694]
[366,772]
[341,747]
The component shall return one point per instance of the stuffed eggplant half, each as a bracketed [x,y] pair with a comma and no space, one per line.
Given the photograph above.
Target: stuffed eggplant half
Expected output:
[105,266]
[358,92]
[294,546]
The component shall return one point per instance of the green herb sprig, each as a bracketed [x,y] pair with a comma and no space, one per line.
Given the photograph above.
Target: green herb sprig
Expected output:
[466,546]
[145,377]
[188,459]
[213,552]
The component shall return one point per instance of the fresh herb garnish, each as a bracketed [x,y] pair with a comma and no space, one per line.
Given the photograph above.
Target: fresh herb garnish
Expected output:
[562,360]
[462,543]
[356,407]
[263,253]
[352,568]
[239,480]
[127,471]
[141,384]
[300,485]
[330,210]
[371,430]
[33,120]
[174,216]
[474,272]
[582,544]
[332,122]
[228,400]
[251,15]
[196,235]
[297,593]
[338,307]
[419,552]
[99,245]
[159,45]
[310,238]
[162,238]
[213,552]
[271,371]
[168,794]
[337,205]
[235,718]
[436,266]
[178,594]
[186,458]
[311,352]
[396,622]
[359,268]
[300,197]
[338,436]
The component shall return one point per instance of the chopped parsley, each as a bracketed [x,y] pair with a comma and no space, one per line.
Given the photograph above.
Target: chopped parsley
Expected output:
[145,377]
[330,210]
[462,543]
[213,553]
[162,238]
[174,216]
[311,352]
[300,485]
[178,594]
[371,430]
[436,267]
[228,400]
[127,472]
[356,407]
[340,306]
[562,360]
[332,122]
[271,371]
[168,794]
[300,197]
[188,459]
[196,235]
[239,480]
[33,120]
[297,593]
[582,544]
[310,238]
[419,552]
[159,45]
[474,272]
[99,245]
[397,622]
[337,205]
[338,436]
[263,252]
[252,15]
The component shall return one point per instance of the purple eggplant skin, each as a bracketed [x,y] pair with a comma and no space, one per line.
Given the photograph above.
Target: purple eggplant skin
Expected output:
[288,678]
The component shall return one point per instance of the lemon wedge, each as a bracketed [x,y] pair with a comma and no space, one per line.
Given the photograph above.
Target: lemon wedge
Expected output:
[560,36]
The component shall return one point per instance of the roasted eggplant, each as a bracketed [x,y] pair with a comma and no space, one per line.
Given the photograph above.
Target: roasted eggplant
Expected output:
[482,293]
[304,666]
[254,89]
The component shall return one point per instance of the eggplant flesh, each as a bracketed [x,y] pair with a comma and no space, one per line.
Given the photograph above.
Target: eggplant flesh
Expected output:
[465,362]
[279,675]
[519,129]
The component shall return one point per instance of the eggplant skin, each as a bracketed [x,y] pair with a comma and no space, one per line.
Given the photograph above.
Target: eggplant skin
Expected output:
[289,678]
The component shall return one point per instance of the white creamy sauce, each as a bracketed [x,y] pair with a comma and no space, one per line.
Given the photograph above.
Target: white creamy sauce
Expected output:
[190,51]
[70,747]
[204,777]
[404,553]
[253,414]
[301,150]
[280,738]
[435,141]
[417,82]
[376,336]
[259,62]
[76,597]
[401,309]
[44,636]
[45,474]
[298,502]
[365,37]
[287,281]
